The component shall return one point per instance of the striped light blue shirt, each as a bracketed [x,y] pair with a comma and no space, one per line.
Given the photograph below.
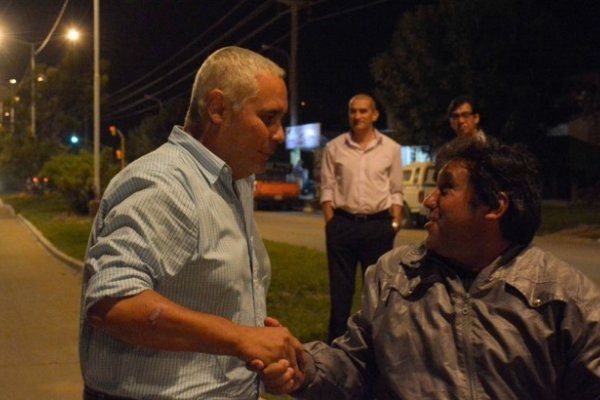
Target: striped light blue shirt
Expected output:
[173,222]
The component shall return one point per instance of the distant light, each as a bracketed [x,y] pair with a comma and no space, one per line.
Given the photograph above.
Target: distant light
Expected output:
[12,81]
[74,139]
[73,35]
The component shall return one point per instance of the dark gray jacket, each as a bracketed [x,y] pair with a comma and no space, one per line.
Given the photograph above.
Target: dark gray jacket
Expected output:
[528,328]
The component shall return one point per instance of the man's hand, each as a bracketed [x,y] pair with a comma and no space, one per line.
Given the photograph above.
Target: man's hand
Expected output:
[281,378]
[283,375]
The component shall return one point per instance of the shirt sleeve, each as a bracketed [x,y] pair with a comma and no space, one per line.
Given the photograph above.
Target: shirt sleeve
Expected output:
[327,174]
[347,368]
[396,186]
[144,233]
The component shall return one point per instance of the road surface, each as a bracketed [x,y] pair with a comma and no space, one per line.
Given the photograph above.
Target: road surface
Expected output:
[307,229]
[39,321]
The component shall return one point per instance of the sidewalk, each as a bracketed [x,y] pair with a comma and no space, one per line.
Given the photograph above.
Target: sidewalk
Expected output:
[39,322]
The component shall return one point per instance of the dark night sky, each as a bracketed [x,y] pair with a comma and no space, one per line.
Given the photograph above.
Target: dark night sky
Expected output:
[154,47]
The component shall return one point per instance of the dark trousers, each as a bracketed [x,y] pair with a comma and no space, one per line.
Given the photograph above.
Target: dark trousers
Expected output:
[91,394]
[352,240]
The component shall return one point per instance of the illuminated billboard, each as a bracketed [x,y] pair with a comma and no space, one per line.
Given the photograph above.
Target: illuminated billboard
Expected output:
[305,136]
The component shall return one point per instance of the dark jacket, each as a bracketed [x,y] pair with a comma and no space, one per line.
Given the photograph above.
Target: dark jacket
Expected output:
[528,328]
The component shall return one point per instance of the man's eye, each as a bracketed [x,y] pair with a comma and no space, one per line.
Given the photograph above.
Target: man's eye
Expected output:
[269,120]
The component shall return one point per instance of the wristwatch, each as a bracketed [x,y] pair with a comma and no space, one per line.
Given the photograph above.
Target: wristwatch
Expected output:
[395,225]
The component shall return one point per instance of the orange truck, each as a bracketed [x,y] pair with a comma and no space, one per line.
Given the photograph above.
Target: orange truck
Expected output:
[276,188]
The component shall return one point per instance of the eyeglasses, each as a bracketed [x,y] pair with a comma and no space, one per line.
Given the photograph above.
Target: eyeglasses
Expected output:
[463,115]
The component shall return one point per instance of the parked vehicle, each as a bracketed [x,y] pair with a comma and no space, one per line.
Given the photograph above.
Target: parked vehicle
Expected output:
[419,180]
[277,188]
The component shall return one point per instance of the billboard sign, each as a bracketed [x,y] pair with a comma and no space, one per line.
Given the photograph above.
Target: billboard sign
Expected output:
[305,136]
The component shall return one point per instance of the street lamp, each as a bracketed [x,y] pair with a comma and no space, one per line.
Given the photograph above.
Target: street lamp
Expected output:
[72,35]
[13,100]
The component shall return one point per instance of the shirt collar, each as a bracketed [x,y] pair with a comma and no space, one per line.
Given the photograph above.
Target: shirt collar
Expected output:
[212,166]
[352,143]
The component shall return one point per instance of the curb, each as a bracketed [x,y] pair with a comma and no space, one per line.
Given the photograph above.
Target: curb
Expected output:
[68,260]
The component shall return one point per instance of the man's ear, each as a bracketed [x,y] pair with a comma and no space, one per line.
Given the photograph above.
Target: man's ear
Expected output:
[215,106]
[497,213]
[375,115]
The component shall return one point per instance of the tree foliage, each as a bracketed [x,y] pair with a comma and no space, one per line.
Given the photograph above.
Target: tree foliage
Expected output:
[516,56]
[71,175]
[155,129]
[64,100]
[22,157]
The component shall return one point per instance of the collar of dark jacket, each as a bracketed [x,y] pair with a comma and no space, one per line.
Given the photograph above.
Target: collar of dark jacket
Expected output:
[521,267]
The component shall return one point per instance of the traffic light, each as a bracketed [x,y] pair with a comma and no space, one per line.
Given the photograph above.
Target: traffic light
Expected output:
[119,154]
[113,130]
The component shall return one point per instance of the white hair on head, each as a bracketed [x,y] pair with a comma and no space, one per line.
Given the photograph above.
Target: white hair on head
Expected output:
[232,70]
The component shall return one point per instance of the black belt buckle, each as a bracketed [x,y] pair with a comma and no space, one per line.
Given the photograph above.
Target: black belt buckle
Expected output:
[361,217]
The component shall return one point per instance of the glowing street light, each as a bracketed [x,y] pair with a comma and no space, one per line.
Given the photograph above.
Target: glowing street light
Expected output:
[72,35]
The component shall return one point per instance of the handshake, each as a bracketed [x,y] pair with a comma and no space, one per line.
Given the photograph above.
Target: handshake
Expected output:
[276,355]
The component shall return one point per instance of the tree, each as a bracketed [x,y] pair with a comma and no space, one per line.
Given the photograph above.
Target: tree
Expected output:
[21,157]
[63,107]
[517,56]
[155,129]
[71,176]
[64,101]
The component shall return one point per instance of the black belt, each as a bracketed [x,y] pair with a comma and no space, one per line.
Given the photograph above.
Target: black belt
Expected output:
[363,217]
[91,394]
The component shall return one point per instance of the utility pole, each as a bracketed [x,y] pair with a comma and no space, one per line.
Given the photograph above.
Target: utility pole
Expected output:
[97,192]
[295,6]
[32,89]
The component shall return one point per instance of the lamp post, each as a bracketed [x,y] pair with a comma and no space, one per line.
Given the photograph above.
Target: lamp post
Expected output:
[97,100]
[13,99]
[73,35]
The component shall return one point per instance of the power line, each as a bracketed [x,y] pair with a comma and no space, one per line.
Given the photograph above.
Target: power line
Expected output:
[214,26]
[147,86]
[205,49]
[128,110]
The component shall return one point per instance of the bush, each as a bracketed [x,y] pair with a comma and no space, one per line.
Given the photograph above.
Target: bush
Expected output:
[72,176]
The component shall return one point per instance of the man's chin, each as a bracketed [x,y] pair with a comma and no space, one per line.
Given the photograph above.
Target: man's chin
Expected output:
[430,239]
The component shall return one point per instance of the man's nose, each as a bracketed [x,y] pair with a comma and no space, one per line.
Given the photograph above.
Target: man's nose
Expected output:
[431,200]
[279,135]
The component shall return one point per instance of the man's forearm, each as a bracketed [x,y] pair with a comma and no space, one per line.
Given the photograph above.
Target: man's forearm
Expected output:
[397,214]
[327,207]
[151,320]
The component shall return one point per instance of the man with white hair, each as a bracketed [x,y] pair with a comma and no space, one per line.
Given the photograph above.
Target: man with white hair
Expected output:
[176,275]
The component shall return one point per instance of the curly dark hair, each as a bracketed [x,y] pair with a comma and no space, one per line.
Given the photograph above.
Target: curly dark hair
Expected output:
[495,168]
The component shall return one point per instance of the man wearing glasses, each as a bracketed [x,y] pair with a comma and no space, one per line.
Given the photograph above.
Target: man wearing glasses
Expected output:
[463,114]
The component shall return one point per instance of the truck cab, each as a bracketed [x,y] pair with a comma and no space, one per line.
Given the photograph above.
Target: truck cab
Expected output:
[277,188]
[418,179]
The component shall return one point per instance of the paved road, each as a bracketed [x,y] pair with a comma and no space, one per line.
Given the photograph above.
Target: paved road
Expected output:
[306,229]
[39,296]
